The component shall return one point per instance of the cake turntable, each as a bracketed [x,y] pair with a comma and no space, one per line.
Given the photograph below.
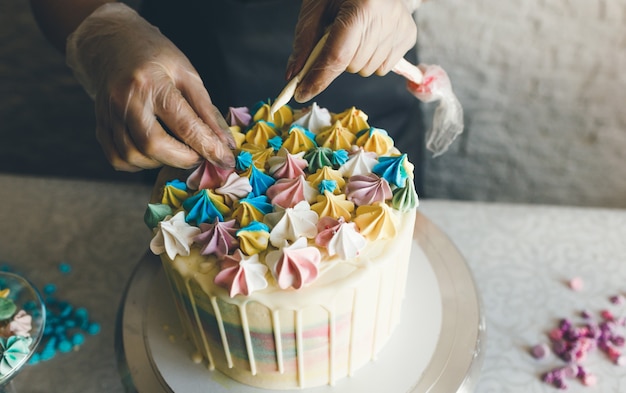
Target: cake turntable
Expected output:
[437,347]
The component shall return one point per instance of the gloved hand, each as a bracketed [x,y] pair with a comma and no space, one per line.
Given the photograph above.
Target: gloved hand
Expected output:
[364,36]
[151,105]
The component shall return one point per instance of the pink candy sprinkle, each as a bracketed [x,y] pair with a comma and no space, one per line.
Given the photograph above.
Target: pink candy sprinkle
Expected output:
[576,283]
[607,315]
[613,354]
[570,371]
[573,342]
[589,380]
[617,299]
[555,334]
[540,351]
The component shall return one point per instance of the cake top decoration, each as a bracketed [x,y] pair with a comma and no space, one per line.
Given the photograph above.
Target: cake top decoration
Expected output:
[241,274]
[294,265]
[217,238]
[307,184]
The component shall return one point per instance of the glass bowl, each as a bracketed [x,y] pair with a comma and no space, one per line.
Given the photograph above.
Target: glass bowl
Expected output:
[27,298]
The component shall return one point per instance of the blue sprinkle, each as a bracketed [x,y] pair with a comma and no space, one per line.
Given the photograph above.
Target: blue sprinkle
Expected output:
[29,305]
[66,311]
[66,325]
[94,328]
[65,268]
[47,354]
[65,346]
[34,359]
[78,339]
[49,289]
[5,267]
[60,338]
[81,313]
[51,344]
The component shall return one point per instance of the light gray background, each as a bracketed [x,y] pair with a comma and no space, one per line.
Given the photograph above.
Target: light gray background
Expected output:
[540,82]
[543,90]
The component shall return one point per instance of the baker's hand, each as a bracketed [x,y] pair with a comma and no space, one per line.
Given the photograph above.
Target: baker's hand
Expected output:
[151,106]
[364,36]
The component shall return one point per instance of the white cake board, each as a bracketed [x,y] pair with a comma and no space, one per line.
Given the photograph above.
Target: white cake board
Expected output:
[437,347]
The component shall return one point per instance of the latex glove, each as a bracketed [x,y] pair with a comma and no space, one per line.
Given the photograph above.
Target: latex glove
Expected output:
[151,105]
[364,37]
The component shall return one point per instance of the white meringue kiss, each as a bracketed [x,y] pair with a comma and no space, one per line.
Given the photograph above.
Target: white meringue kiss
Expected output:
[174,236]
[291,224]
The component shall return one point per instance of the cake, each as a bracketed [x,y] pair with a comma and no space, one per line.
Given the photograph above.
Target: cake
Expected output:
[289,270]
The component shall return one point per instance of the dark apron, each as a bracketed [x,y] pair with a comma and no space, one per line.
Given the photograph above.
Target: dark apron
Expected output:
[240,49]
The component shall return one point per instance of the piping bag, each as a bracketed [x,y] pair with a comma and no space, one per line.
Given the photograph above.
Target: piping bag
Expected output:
[428,83]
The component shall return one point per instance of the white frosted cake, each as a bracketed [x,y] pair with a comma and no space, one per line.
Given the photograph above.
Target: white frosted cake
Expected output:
[289,270]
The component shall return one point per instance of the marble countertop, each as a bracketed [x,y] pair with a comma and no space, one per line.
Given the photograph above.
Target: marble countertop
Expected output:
[98,229]
[522,258]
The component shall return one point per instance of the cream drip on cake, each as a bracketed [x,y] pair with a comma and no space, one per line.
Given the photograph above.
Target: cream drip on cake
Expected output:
[289,270]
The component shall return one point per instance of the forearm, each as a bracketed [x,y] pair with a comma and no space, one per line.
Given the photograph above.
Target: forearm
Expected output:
[57,19]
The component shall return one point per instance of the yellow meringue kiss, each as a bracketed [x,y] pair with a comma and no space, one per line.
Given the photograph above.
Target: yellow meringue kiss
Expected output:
[173,196]
[246,213]
[336,137]
[239,136]
[376,221]
[260,154]
[326,173]
[282,117]
[252,242]
[375,140]
[260,133]
[353,119]
[334,206]
[298,141]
